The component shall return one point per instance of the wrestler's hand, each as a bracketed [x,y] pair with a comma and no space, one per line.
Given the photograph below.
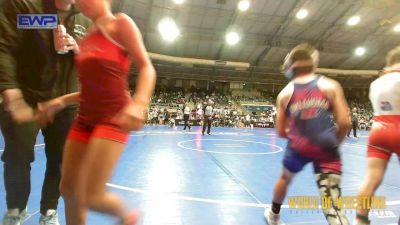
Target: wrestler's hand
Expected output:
[133,116]
[15,104]
[48,110]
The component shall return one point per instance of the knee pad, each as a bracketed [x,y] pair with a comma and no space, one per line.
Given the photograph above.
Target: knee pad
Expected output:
[329,186]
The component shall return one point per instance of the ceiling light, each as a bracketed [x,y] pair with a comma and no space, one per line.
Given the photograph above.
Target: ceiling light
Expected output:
[301,14]
[397,28]
[168,29]
[232,38]
[179,1]
[360,51]
[244,5]
[354,20]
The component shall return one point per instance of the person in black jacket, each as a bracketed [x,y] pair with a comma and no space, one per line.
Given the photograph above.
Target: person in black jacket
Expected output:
[31,71]
[186,116]
[354,123]
[167,117]
[208,116]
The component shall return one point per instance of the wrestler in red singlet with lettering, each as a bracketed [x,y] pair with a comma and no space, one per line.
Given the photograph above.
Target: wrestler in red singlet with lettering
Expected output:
[383,142]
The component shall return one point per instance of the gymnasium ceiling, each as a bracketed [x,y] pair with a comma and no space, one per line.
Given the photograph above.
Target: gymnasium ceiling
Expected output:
[268,30]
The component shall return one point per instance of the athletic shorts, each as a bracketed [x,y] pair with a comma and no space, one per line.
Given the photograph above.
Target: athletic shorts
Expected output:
[295,162]
[384,140]
[82,132]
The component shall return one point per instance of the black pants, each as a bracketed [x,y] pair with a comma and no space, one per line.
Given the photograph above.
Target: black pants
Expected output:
[186,119]
[354,126]
[207,123]
[19,153]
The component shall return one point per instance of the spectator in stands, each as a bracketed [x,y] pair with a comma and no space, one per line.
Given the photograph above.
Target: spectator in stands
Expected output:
[171,121]
[363,124]
[166,116]
[253,121]
[154,117]
[160,117]
[247,121]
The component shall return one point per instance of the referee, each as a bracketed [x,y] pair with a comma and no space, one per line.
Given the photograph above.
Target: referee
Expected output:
[186,116]
[208,117]
[354,123]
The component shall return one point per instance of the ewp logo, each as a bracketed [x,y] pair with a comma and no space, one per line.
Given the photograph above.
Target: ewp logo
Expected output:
[37,21]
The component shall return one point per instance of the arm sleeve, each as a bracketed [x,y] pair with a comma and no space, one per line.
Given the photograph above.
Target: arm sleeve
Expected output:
[9,42]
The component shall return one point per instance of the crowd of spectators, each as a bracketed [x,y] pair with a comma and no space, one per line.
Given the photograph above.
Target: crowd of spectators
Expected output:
[364,113]
[167,108]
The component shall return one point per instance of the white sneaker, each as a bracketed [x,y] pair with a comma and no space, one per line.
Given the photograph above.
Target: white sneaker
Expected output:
[272,218]
[51,218]
[14,217]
